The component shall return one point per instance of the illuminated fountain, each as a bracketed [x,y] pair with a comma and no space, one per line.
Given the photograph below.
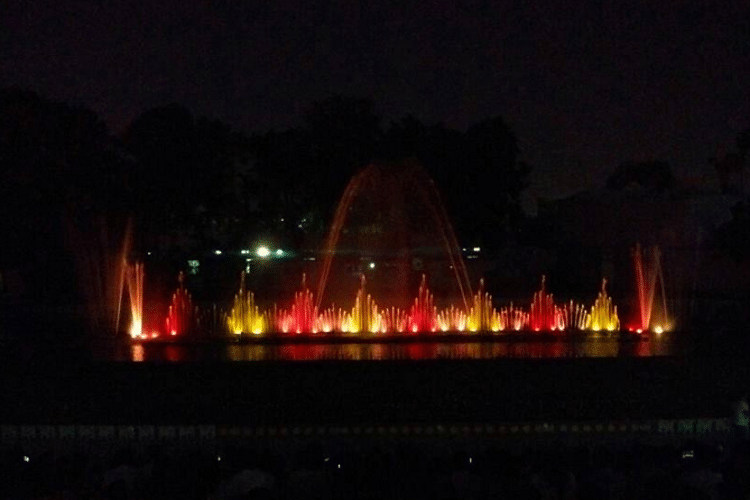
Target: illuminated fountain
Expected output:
[603,313]
[389,228]
[389,223]
[423,316]
[514,318]
[483,316]
[649,278]
[366,318]
[245,316]
[182,318]
[575,317]
[544,313]
[134,276]
[303,315]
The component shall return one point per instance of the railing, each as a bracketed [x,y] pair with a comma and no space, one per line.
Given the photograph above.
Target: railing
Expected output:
[668,428]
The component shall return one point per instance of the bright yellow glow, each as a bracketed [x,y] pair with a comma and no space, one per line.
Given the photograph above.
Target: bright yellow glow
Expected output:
[603,313]
[262,252]
[658,329]
[482,315]
[136,329]
[134,278]
[244,316]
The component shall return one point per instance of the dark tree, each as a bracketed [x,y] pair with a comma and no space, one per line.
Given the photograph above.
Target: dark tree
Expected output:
[492,178]
[743,142]
[187,177]
[733,237]
[344,135]
[286,193]
[60,169]
[649,175]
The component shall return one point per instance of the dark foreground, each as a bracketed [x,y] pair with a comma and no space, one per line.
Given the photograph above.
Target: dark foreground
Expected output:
[71,427]
[317,471]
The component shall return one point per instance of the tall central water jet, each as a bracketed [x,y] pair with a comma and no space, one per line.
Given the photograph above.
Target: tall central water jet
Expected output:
[391,225]
[649,278]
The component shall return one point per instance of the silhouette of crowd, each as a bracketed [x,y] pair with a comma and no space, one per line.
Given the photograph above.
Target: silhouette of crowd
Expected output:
[447,470]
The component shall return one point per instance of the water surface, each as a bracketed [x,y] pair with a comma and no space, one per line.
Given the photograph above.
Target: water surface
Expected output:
[388,351]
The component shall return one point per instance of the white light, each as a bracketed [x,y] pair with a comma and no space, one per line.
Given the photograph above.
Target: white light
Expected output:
[326,459]
[470,460]
[477,249]
[372,265]
[339,465]
[148,253]
[263,252]
[218,459]
[26,458]
[217,252]
[244,251]
[279,253]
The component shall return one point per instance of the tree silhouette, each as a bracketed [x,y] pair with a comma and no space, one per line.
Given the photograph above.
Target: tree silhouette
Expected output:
[285,190]
[343,134]
[743,142]
[184,174]
[492,179]
[650,175]
[59,166]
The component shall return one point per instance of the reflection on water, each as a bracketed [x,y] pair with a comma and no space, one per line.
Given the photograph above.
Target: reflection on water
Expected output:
[586,348]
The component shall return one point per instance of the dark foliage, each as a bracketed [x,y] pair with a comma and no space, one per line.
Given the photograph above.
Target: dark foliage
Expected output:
[650,175]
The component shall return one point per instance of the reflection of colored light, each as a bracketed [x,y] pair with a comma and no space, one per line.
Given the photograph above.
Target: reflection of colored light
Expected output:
[137,353]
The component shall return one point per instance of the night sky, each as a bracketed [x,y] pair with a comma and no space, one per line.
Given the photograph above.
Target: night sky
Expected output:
[585,87]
